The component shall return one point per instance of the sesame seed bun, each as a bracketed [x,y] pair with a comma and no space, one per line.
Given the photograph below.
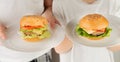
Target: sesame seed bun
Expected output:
[33,20]
[89,1]
[32,39]
[93,21]
[95,38]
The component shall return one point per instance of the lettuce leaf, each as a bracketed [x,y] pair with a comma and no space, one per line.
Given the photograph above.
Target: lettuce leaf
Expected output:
[37,32]
[83,33]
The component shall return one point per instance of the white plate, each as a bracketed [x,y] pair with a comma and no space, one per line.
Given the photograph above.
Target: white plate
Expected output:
[108,41]
[20,56]
[15,42]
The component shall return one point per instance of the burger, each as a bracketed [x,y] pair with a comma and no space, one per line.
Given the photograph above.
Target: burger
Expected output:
[94,27]
[34,28]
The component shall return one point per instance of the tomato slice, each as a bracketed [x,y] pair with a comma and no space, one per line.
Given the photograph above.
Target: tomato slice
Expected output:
[31,27]
[101,30]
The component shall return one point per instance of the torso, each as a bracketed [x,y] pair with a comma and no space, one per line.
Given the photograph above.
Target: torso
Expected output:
[70,9]
[14,9]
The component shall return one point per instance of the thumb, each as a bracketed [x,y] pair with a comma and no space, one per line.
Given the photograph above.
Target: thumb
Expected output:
[57,22]
[52,24]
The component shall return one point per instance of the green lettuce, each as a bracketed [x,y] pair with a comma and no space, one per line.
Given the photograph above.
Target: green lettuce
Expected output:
[37,32]
[83,33]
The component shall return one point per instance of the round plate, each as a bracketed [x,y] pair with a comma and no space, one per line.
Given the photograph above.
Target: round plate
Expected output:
[114,23]
[15,42]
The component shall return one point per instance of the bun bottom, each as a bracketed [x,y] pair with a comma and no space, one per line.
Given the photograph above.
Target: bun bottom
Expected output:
[32,39]
[95,38]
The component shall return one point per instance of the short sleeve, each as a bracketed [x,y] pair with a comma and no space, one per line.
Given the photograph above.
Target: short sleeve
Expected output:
[67,10]
[114,7]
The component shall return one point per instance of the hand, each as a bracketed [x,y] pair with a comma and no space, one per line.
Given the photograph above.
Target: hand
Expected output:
[2,31]
[53,21]
[114,48]
[50,17]
[64,47]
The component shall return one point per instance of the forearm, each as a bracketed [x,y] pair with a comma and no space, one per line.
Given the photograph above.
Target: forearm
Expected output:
[48,13]
[48,3]
[48,6]
[114,48]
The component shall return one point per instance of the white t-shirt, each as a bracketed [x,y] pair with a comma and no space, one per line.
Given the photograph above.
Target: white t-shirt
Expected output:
[13,10]
[65,10]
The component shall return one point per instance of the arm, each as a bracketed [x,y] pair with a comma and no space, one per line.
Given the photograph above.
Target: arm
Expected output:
[49,14]
[2,32]
[66,44]
[64,47]
[48,4]
[114,48]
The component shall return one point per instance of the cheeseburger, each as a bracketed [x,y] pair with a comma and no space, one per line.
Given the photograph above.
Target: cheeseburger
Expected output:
[94,27]
[34,28]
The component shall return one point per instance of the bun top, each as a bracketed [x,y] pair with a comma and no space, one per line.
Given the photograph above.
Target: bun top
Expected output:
[93,21]
[33,20]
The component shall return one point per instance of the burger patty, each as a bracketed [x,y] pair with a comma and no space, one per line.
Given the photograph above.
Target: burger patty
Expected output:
[30,33]
[97,33]
[33,33]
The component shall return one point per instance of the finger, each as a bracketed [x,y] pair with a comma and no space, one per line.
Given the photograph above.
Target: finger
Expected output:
[57,23]
[114,48]
[2,27]
[52,25]
[2,35]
